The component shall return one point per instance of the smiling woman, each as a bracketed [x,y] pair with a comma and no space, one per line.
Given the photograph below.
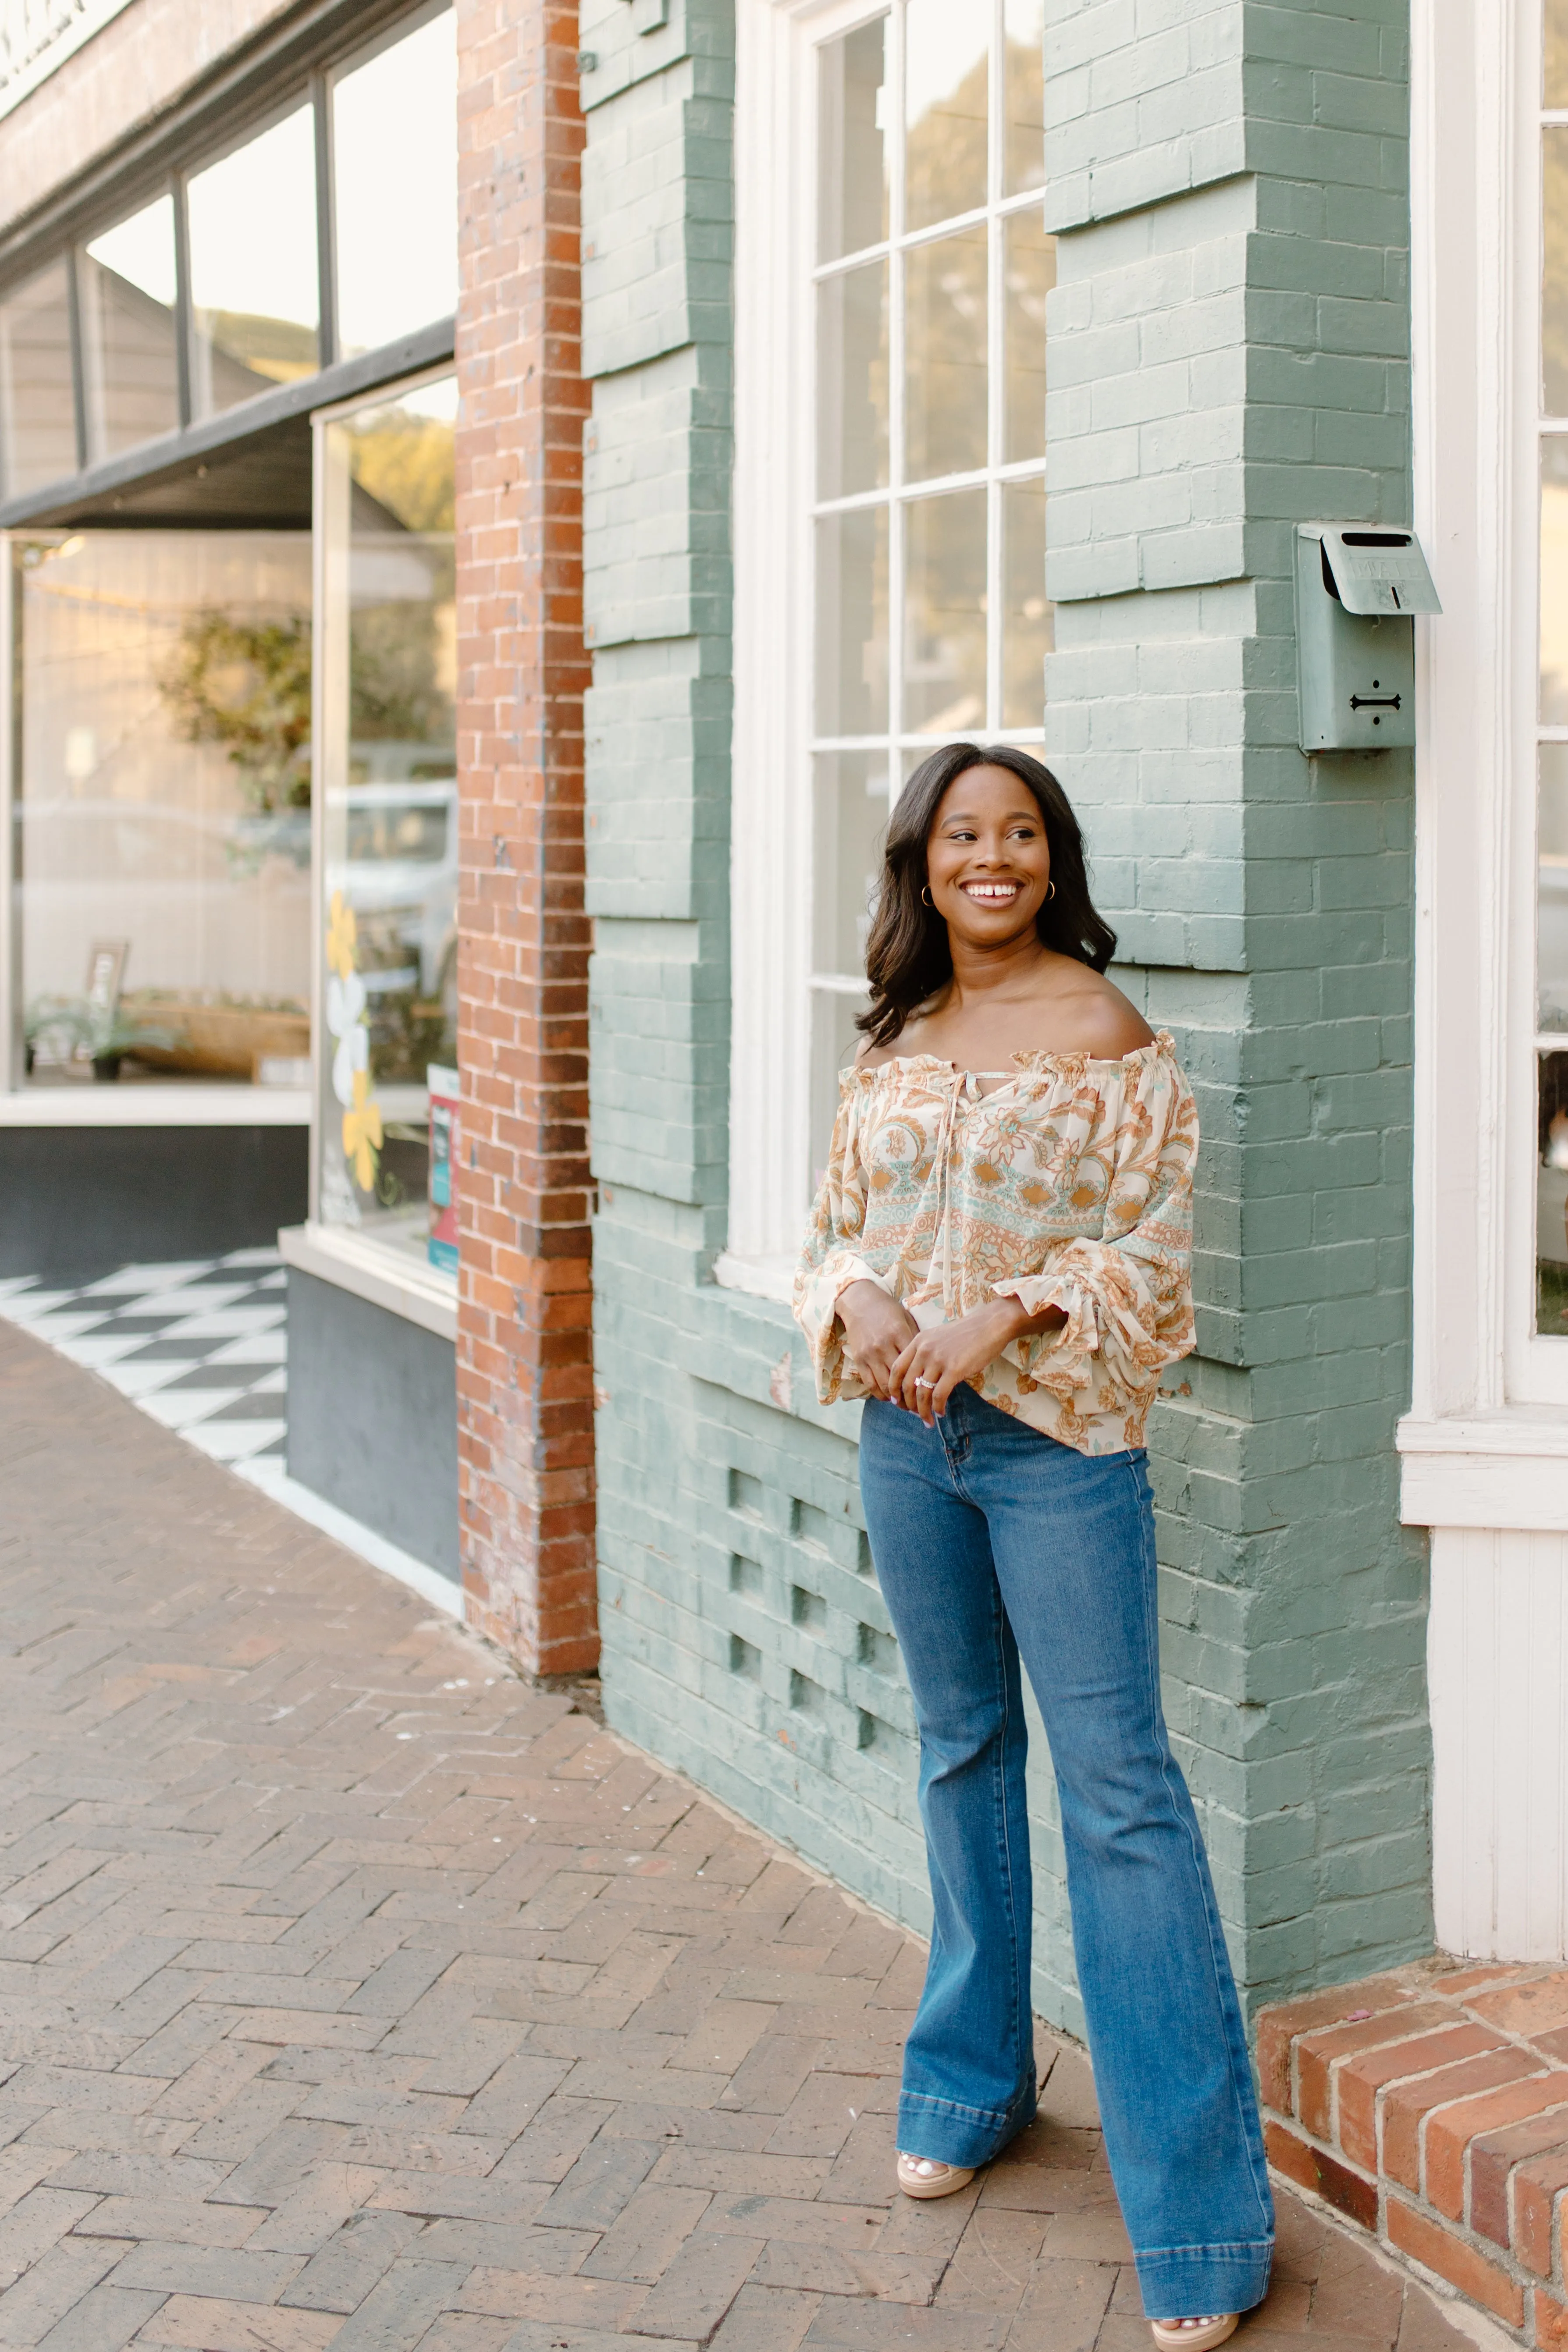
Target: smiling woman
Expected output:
[998,1265]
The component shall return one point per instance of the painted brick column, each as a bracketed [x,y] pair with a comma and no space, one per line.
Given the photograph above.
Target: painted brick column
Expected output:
[525,1428]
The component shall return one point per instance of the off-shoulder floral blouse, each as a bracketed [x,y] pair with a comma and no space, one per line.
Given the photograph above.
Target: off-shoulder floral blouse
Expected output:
[1069,1185]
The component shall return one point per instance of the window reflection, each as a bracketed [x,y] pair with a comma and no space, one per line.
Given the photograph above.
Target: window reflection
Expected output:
[389,880]
[944,614]
[852,621]
[254,266]
[1028,273]
[852,379]
[163,809]
[944,356]
[129,332]
[394,176]
[946,53]
[1555,580]
[1552,1198]
[851,824]
[38,400]
[1027,616]
[1024,56]
[1552,850]
[852,168]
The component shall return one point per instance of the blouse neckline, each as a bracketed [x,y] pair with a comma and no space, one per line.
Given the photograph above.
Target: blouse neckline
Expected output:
[1036,1058]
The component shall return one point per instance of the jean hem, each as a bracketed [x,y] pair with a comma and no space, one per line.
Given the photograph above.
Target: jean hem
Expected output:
[1191,2282]
[967,2136]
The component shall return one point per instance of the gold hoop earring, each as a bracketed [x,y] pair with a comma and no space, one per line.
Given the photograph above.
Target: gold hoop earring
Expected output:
[1050,890]
[926,900]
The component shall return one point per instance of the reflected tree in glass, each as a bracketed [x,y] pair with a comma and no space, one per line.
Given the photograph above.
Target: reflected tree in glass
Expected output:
[944,366]
[946,110]
[944,612]
[254,266]
[851,824]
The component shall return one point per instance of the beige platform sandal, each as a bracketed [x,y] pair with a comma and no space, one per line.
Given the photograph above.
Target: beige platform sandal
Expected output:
[922,2176]
[1194,2335]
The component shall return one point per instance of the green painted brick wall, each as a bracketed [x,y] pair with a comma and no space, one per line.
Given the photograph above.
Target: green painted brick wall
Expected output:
[1228,342]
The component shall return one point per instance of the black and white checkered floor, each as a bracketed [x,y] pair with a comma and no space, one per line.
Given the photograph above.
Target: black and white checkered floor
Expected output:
[201,1346]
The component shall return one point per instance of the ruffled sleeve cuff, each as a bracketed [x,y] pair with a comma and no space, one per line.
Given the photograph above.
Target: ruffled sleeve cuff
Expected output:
[1111,1314]
[818,1291]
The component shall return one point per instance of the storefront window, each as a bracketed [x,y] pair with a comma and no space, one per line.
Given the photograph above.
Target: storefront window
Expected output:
[933,265]
[37,399]
[130,334]
[255,266]
[388,842]
[162,817]
[395,174]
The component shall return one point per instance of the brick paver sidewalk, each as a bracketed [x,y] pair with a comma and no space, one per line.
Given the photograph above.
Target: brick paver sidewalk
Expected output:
[354,1993]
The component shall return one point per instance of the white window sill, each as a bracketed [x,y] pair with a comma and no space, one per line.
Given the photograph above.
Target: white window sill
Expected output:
[139,1105]
[373,1273]
[763,1277]
[1502,1469]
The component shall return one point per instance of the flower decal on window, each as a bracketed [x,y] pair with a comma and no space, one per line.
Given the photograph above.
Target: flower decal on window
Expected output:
[342,937]
[361,1133]
[348,1022]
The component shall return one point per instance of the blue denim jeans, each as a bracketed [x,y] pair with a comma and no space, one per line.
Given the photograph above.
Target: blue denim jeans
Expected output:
[990,1540]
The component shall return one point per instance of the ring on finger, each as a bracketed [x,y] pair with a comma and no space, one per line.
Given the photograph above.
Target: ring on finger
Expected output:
[923,1384]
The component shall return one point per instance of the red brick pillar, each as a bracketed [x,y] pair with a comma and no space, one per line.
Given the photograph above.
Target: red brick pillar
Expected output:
[525,1420]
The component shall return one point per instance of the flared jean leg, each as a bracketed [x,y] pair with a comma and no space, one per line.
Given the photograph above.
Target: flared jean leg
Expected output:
[1070,1539]
[969,2069]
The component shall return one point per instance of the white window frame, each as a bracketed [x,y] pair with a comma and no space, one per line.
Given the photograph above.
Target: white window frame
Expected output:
[774,981]
[1486,1441]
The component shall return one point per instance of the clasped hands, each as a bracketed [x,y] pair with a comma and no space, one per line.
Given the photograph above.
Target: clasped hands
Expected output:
[919,1369]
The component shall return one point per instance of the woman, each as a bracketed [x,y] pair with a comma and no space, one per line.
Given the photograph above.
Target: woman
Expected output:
[998,1264]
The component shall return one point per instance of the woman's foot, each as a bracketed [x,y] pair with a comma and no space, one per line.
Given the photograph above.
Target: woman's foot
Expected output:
[922,2176]
[1194,2335]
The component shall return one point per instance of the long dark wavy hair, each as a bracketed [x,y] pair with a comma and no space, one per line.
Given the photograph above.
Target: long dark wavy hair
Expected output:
[907,955]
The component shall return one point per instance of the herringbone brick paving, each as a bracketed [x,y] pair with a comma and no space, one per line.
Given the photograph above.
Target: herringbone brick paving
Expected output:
[353,1992]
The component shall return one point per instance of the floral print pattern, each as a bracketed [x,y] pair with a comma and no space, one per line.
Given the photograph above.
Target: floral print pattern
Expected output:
[1069,1185]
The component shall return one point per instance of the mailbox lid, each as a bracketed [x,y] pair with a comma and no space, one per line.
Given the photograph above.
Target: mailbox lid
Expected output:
[1375,571]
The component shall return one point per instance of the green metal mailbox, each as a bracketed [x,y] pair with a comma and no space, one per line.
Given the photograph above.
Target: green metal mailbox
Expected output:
[1357,589]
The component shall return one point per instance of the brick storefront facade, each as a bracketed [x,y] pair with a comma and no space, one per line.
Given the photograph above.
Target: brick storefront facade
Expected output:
[524,1377]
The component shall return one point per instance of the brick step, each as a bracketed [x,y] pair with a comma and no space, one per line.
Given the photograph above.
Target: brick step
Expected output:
[1430,2108]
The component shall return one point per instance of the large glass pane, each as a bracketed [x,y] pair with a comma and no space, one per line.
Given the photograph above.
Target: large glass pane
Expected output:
[1028,273]
[164,821]
[1023,151]
[1555,580]
[129,331]
[944,614]
[946,65]
[1555,78]
[1026,615]
[1552,1199]
[852,382]
[851,826]
[1553,931]
[852,621]
[37,400]
[395,178]
[389,879]
[851,130]
[1554,270]
[254,266]
[944,356]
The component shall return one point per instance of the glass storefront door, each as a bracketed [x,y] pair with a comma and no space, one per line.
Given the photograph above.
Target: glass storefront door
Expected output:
[386,799]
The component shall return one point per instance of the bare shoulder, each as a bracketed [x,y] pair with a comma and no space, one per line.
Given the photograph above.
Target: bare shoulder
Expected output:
[1102,1021]
[871,1057]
